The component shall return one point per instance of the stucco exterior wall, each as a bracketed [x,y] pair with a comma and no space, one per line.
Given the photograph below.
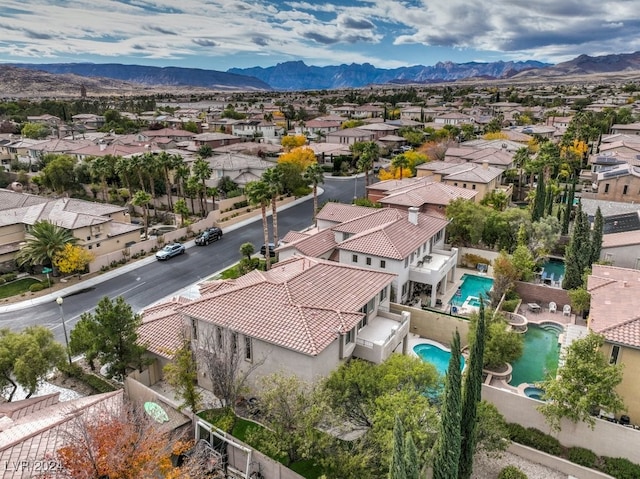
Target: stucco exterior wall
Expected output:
[436,326]
[622,256]
[616,192]
[629,388]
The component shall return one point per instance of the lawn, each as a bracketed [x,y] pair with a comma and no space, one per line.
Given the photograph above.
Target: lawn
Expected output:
[242,430]
[16,287]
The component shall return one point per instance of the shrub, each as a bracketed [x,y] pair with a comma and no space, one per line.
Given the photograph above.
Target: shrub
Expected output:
[472,260]
[534,438]
[511,472]
[34,288]
[510,305]
[301,191]
[582,456]
[620,468]
[2,280]
[223,418]
[8,277]
[240,204]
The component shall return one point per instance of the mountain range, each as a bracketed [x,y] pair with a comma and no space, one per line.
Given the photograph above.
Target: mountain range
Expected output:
[294,75]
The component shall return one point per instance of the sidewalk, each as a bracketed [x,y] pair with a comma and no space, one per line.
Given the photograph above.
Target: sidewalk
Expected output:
[101,278]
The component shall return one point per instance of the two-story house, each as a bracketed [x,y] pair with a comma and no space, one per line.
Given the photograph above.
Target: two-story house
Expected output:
[407,244]
[620,182]
[615,302]
[478,177]
[304,317]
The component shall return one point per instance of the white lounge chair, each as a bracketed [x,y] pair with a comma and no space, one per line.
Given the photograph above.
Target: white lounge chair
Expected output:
[552,307]
[566,310]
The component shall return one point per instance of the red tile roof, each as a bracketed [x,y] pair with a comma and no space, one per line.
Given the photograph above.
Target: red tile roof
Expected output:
[301,304]
[615,304]
[162,330]
[339,212]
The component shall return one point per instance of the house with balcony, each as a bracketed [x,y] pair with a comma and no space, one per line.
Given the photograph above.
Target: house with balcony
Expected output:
[304,317]
[620,182]
[615,301]
[408,244]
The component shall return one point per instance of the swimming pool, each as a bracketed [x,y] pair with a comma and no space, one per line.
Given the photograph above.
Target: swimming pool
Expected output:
[471,289]
[553,270]
[436,355]
[534,392]
[540,354]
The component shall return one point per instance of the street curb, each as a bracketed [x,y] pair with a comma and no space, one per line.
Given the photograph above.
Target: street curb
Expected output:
[51,297]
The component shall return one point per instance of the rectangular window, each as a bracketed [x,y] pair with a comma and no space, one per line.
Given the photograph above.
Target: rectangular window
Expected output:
[354,258]
[219,336]
[383,295]
[194,328]
[615,352]
[625,189]
[348,338]
[406,262]
[97,245]
[234,343]
[473,187]
[405,288]
[247,348]
[368,261]
[606,188]
[383,264]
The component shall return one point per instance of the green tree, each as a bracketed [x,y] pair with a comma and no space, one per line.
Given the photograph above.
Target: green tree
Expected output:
[115,335]
[103,168]
[566,217]
[400,162]
[524,262]
[258,193]
[447,450]
[585,383]
[365,154]
[411,460]
[26,358]
[34,131]
[502,344]
[180,208]
[182,374]
[467,222]
[538,209]
[596,237]
[169,164]
[142,199]
[291,414]
[44,241]
[81,341]
[59,174]
[314,175]
[397,468]
[580,299]
[247,249]
[578,252]
[471,398]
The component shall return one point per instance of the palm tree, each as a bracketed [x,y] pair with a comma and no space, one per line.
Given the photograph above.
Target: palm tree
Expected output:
[169,163]
[400,162]
[314,175]
[124,170]
[258,193]
[247,249]
[367,154]
[142,198]
[273,178]
[182,173]
[151,166]
[192,189]
[202,170]
[137,166]
[102,167]
[44,241]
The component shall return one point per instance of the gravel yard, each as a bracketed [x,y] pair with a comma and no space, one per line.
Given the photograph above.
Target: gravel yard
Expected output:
[489,467]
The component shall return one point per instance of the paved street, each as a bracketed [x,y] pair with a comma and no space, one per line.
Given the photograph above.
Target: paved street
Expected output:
[153,281]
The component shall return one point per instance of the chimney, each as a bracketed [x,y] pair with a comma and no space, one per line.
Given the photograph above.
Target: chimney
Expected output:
[413,215]
[103,146]
[485,165]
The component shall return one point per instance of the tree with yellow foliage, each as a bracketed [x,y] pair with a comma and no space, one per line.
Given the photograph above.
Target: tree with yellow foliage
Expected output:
[495,135]
[302,156]
[291,142]
[72,259]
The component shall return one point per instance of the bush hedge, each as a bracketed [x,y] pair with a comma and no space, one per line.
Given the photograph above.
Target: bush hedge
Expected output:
[510,305]
[472,260]
[618,467]
[34,288]
[511,472]
[582,456]
[96,382]
[8,277]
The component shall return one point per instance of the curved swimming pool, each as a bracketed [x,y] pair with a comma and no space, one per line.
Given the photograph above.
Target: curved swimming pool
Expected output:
[533,392]
[540,354]
[436,355]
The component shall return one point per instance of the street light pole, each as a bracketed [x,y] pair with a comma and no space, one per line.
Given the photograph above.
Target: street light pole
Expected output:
[59,300]
[355,187]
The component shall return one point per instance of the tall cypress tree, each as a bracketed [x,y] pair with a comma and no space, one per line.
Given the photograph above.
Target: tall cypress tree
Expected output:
[539,199]
[411,464]
[569,206]
[596,237]
[447,448]
[578,252]
[471,397]
[549,201]
[397,468]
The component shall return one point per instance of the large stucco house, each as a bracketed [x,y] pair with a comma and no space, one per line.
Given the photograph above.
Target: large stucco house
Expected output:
[100,227]
[408,244]
[304,317]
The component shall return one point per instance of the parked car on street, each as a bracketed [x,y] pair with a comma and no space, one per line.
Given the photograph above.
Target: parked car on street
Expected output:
[169,251]
[263,250]
[209,235]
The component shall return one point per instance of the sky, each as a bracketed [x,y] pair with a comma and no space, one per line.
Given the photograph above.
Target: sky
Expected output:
[223,34]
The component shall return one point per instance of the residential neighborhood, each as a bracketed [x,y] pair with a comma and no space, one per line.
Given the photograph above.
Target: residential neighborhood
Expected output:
[396,237]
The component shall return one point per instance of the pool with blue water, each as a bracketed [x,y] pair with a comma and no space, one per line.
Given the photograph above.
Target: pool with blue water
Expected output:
[471,289]
[436,355]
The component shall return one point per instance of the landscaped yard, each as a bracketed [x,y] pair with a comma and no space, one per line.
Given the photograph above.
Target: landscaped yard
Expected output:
[16,287]
[242,430]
